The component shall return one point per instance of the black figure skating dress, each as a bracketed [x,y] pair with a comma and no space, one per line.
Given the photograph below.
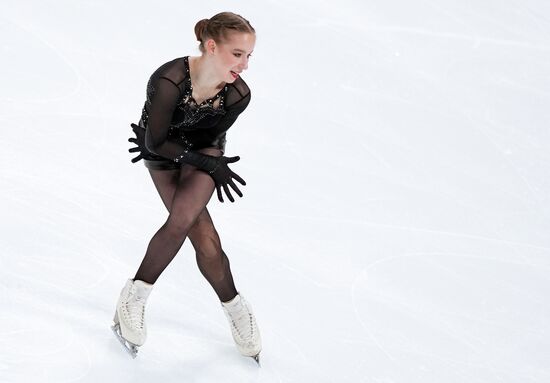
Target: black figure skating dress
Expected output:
[174,122]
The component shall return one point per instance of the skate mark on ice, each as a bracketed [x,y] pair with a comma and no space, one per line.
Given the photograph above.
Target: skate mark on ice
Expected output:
[459,333]
[516,171]
[362,222]
[36,37]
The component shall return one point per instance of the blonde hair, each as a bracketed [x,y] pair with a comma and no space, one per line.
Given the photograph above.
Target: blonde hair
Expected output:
[220,26]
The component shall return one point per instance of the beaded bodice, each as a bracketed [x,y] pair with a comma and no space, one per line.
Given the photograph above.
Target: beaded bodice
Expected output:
[188,113]
[194,112]
[176,122]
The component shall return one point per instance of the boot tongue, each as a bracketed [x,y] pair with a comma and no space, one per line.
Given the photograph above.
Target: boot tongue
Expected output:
[143,289]
[233,304]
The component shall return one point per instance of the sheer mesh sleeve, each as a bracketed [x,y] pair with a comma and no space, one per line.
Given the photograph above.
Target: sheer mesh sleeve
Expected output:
[232,113]
[164,98]
[237,101]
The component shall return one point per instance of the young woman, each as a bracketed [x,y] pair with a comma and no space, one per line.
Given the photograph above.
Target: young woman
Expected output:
[191,103]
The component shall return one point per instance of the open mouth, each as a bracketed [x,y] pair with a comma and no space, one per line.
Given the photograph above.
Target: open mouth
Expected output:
[235,75]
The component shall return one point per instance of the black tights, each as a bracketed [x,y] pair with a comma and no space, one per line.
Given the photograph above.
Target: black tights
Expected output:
[185,193]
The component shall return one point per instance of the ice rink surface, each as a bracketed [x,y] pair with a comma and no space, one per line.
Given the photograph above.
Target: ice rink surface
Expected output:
[395,226]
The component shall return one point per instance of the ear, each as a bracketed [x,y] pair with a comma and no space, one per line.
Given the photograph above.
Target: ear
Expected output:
[210,46]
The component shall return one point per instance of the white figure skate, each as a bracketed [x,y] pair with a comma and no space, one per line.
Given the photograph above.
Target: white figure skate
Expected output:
[129,317]
[243,327]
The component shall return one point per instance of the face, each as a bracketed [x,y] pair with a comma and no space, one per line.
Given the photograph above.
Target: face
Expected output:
[232,56]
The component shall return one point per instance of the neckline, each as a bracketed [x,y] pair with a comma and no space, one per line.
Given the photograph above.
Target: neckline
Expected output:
[209,100]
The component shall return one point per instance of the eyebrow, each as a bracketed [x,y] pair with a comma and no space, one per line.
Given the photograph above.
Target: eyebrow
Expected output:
[240,50]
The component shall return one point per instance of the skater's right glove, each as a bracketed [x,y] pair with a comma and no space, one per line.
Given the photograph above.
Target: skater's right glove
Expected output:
[139,141]
[218,170]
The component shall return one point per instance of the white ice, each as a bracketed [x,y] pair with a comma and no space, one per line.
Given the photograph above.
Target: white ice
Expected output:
[394,228]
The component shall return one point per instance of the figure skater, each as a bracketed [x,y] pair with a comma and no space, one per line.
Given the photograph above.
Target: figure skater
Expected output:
[191,103]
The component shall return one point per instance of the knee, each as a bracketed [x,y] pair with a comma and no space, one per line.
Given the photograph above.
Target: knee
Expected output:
[178,227]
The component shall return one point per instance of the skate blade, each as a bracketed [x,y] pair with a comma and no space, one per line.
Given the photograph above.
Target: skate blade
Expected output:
[131,348]
[257,359]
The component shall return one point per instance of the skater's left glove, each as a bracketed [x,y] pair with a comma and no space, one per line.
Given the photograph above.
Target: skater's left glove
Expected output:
[140,143]
[223,177]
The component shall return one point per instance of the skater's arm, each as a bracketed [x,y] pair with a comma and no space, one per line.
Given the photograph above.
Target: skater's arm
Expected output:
[232,112]
[237,100]
[163,99]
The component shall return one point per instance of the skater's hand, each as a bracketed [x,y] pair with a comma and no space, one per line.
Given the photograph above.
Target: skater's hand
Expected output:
[217,168]
[223,176]
[139,141]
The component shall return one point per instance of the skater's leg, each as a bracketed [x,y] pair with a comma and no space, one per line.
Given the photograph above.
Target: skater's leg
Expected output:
[193,191]
[165,182]
[211,259]
[214,265]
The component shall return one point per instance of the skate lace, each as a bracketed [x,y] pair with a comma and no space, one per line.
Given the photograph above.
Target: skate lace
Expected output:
[135,310]
[243,323]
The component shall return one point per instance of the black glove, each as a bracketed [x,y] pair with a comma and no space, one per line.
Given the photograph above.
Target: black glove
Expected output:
[217,168]
[140,143]
[223,176]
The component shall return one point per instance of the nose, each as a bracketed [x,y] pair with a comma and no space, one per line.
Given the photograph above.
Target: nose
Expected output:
[244,63]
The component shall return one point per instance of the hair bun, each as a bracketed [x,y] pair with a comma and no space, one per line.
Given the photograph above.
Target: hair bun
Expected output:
[200,27]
